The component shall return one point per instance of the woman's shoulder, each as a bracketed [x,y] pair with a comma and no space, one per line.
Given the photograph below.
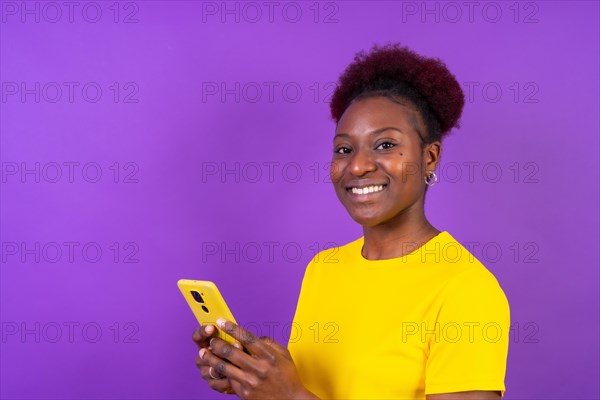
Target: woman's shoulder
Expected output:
[463,267]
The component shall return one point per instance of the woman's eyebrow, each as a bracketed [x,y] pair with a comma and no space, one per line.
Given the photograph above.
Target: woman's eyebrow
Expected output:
[375,132]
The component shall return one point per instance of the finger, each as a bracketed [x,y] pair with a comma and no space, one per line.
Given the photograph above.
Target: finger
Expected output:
[246,338]
[269,341]
[276,346]
[215,375]
[200,362]
[202,335]
[221,366]
[229,390]
[234,355]
[220,385]
[276,349]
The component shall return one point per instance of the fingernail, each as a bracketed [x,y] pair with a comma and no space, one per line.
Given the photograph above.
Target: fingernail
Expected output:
[202,351]
[211,340]
[237,345]
[209,329]
[221,322]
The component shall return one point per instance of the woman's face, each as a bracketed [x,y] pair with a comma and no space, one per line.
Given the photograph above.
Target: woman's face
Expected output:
[378,166]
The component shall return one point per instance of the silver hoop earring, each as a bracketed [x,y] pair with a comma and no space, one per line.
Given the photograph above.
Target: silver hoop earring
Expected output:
[431,179]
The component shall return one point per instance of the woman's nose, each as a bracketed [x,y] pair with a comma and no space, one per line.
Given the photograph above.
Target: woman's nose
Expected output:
[362,163]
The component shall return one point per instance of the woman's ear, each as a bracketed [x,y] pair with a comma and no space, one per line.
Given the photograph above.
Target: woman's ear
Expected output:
[432,154]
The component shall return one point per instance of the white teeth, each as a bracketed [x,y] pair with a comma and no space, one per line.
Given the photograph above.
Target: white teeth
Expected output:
[367,190]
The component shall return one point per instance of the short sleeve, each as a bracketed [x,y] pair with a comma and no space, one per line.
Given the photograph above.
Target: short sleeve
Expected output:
[468,344]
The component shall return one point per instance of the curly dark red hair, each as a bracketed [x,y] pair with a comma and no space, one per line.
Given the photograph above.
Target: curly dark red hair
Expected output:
[395,71]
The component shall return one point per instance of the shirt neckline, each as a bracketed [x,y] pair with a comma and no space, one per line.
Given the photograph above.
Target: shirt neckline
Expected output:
[440,237]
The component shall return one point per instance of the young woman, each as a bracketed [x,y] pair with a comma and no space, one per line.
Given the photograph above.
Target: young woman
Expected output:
[404,312]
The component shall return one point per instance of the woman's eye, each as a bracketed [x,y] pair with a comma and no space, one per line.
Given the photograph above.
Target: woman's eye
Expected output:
[342,150]
[386,145]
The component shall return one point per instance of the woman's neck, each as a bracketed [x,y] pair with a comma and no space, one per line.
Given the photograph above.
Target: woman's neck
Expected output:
[398,237]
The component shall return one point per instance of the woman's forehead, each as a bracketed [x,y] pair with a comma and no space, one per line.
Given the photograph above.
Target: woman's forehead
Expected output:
[370,114]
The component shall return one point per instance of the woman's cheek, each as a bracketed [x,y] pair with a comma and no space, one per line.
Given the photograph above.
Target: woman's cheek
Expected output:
[410,171]
[335,171]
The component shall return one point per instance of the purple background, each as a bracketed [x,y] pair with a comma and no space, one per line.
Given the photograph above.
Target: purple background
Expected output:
[130,334]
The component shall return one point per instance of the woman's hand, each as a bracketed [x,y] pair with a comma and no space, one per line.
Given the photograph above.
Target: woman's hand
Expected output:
[202,337]
[265,371]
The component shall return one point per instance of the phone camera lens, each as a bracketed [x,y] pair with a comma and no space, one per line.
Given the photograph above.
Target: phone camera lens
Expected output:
[197,297]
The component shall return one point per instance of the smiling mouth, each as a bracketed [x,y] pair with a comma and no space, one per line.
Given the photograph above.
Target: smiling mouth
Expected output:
[366,190]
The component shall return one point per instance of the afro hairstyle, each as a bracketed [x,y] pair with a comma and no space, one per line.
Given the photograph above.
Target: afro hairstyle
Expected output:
[396,72]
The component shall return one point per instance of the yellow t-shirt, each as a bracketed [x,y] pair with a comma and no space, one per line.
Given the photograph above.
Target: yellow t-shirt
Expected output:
[432,321]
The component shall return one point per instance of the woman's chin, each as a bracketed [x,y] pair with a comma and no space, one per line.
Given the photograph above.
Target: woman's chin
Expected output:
[367,220]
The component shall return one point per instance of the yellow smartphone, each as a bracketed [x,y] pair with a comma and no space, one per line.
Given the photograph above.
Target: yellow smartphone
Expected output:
[207,304]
